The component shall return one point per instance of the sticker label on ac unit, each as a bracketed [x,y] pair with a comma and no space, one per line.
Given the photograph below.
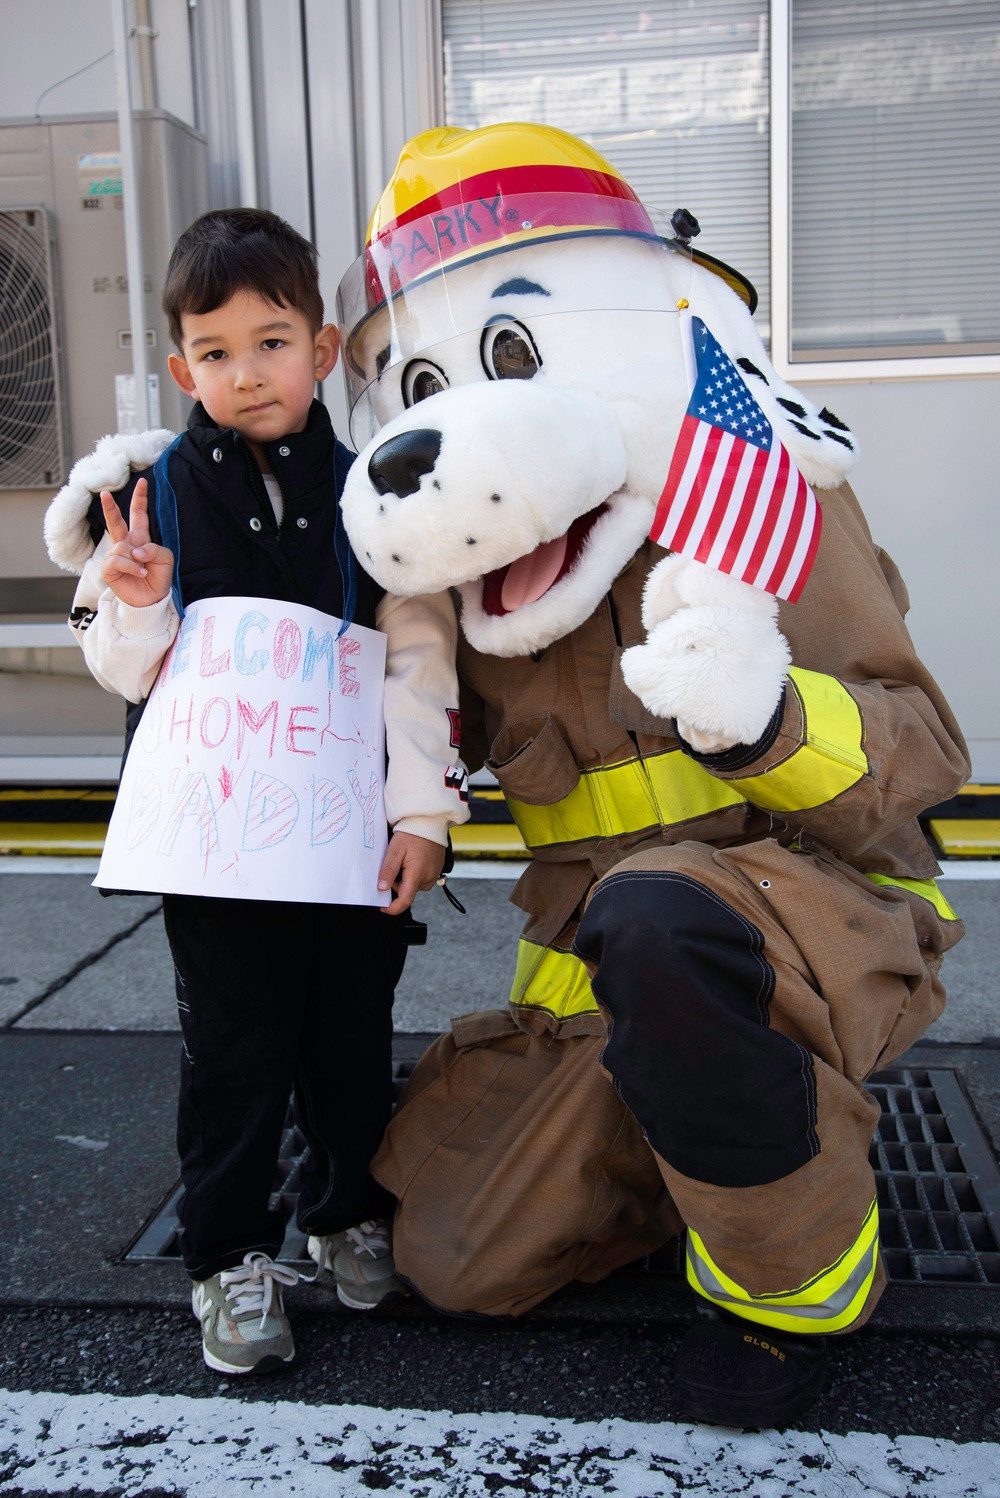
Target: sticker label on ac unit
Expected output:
[100,175]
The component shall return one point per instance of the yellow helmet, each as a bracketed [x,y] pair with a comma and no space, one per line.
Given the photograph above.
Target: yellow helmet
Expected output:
[442,169]
[459,195]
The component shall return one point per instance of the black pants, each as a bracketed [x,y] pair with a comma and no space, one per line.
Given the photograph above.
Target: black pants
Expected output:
[278,997]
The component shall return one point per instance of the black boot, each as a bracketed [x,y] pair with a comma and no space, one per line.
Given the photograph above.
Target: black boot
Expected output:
[735,1372]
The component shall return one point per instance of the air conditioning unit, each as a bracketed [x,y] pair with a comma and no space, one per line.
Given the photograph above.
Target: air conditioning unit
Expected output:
[65,334]
[66,380]
[32,422]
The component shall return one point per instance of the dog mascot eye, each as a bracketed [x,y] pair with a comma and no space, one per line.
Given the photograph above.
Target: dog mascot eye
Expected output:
[421,380]
[508,352]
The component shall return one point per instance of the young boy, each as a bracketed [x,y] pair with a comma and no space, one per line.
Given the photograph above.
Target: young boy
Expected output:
[273,996]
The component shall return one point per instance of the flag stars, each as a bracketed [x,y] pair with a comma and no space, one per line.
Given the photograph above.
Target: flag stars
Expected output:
[722,396]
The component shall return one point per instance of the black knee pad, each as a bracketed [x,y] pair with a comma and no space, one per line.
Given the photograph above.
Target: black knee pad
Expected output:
[721,1096]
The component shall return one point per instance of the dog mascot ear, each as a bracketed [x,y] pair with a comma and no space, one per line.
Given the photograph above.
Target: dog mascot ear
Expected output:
[685,662]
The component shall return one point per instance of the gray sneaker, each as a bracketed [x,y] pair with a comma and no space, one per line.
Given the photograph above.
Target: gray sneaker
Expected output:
[360,1261]
[244,1328]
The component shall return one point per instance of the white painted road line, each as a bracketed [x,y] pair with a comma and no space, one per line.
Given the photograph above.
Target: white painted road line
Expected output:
[102,1444]
[28,863]
[483,868]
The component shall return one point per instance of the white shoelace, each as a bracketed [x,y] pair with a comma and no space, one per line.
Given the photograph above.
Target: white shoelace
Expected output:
[369,1238]
[252,1287]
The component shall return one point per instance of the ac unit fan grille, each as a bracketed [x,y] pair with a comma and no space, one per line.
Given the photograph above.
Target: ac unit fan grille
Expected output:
[30,436]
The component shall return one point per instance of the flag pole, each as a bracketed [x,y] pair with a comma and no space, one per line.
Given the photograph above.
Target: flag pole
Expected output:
[133,226]
[687,343]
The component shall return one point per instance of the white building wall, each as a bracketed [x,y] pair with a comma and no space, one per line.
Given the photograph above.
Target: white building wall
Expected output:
[929,481]
[278,51]
[338,86]
[43,47]
[57,57]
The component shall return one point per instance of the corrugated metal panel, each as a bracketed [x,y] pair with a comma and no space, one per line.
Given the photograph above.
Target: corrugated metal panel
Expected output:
[674,93]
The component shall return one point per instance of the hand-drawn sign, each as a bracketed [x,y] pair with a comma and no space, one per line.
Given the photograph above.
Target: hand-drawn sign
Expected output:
[258,766]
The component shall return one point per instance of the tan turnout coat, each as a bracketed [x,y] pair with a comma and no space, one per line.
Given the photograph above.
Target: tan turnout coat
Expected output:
[517,1166]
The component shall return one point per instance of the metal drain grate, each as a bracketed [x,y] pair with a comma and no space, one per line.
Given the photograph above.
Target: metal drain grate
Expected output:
[938,1189]
[938,1183]
[159,1238]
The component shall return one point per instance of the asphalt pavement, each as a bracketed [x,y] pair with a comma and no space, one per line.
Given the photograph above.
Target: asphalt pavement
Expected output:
[73,959]
[88,1061]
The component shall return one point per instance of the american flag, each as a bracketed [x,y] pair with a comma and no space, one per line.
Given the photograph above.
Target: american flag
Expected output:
[733,497]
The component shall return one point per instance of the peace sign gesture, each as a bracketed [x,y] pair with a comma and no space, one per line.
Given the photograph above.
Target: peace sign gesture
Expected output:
[137,571]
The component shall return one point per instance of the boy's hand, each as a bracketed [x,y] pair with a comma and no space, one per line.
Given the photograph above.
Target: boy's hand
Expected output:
[136,571]
[410,863]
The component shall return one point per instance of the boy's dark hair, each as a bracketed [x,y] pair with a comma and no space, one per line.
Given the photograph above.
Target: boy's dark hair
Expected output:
[241,249]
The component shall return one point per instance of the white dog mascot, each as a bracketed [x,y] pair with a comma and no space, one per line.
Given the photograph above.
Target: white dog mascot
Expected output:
[730,905]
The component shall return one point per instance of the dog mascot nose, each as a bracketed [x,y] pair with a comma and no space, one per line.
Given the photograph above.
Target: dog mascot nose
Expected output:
[399,464]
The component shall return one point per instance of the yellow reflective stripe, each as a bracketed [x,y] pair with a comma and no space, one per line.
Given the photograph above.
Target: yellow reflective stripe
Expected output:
[832,1300]
[830,758]
[555,981]
[926,888]
[610,800]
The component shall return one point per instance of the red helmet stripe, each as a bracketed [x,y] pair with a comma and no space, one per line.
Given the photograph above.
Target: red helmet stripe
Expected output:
[504,181]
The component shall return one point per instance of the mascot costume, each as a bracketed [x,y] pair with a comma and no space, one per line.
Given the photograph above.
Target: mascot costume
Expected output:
[691,676]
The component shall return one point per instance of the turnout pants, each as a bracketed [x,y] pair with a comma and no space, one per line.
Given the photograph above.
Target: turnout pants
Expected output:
[276,998]
[748,993]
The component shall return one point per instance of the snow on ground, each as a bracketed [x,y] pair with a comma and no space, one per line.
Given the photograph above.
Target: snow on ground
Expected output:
[59,1443]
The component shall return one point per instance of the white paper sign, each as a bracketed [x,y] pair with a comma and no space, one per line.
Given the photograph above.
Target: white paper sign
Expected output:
[257,769]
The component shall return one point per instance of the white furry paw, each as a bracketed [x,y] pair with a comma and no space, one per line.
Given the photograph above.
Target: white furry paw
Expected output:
[115,456]
[67,530]
[660,597]
[718,670]
[678,580]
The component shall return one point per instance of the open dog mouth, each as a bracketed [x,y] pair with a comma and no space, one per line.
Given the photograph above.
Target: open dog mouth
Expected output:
[528,578]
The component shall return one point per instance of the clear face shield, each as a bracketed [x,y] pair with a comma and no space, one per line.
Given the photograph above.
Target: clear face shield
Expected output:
[469,292]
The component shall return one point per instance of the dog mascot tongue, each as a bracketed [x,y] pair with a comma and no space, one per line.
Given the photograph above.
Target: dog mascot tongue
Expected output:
[731,912]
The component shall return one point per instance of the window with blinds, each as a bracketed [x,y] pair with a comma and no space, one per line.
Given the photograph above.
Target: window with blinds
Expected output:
[673,92]
[895,205]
